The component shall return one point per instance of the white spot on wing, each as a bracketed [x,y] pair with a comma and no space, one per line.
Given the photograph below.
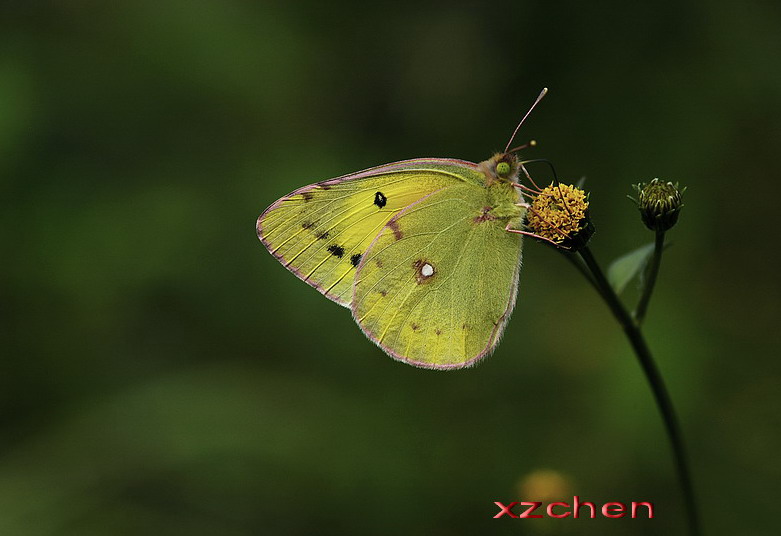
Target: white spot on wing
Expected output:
[427,270]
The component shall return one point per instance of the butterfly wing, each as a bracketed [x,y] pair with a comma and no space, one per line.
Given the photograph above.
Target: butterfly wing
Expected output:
[321,232]
[436,287]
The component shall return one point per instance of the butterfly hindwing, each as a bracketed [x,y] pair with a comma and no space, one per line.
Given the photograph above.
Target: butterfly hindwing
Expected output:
[321,232]
[436,287]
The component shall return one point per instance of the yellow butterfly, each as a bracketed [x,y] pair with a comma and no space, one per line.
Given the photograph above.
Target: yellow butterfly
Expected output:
[425,252]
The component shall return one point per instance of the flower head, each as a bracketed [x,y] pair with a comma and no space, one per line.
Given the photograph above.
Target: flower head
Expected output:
[559,214]
[659,203]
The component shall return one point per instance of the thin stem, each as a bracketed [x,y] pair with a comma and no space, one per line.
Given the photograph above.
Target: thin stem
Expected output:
[650,278]
[661,396]
[578,264]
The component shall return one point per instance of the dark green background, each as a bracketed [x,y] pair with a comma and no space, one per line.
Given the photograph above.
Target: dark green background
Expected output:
[161,373]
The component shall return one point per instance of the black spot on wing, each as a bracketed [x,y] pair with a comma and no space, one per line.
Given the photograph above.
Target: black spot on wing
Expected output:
[307,225]
[355,259]
[336,251]
[323,236]
[380,200]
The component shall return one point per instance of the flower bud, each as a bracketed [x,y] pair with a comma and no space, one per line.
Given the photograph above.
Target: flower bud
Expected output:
[659,203]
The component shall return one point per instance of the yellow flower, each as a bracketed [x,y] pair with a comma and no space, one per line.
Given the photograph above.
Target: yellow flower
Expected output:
[559,214]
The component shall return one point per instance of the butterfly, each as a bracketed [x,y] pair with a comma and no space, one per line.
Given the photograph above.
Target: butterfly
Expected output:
[425,252]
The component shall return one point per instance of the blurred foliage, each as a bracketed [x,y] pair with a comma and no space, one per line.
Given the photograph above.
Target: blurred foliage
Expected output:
[162,374]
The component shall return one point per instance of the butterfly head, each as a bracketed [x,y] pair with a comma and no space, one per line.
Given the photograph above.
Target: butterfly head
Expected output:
[501,167]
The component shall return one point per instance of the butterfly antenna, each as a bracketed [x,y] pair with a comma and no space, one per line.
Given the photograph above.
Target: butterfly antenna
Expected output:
[536,102]
[530,143]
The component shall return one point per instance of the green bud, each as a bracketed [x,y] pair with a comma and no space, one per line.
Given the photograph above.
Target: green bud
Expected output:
[660,203]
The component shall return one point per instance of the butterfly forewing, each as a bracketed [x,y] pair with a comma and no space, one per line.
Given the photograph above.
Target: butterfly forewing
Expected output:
[436,287]
[321,232]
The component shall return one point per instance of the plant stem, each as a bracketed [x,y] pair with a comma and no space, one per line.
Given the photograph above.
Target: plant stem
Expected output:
[578,264]
[652,374]
[650,278]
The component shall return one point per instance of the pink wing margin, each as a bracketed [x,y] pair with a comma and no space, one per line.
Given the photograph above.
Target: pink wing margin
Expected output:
[402,165]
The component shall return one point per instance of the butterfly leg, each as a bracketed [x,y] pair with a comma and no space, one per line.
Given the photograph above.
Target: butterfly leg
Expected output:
[529,177]
[526,189]
[531,191]
[527,233]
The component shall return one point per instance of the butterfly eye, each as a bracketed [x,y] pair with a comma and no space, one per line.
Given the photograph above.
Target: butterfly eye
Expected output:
[502,168]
